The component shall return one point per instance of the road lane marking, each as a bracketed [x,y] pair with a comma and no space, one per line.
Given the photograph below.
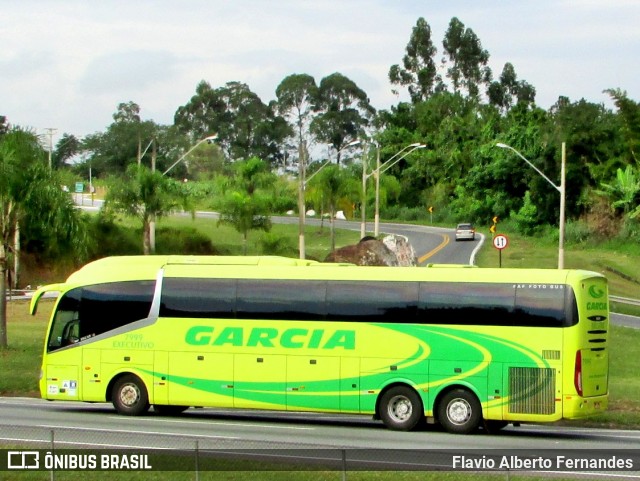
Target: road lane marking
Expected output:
[128,431]
[445,240]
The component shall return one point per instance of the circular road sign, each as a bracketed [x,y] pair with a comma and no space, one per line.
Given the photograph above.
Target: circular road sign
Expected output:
[500,241]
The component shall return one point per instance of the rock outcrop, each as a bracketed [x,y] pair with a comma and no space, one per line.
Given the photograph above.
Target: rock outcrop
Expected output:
[392,251]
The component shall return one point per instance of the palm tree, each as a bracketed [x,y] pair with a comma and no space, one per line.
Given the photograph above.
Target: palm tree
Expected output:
[334,186]
[29,190]
[246,206]
[146,195]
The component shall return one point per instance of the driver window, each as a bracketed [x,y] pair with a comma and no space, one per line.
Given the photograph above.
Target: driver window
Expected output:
[65,323]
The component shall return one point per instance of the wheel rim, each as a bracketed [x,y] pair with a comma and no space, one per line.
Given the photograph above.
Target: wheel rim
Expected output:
[129,395]
[459,411]
[400,408]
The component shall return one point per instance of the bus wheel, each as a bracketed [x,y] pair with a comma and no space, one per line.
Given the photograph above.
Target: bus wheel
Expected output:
[459,411]
[130,396]
[401,408]
[165,410]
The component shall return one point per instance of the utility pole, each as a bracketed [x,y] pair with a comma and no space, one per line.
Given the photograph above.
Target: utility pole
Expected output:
[50,132]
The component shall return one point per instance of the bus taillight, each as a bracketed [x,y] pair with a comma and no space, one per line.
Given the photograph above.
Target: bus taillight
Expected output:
[577,375]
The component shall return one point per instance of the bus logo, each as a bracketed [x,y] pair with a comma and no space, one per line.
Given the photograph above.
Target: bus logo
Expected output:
[271,337]
[595,292]
[23,460]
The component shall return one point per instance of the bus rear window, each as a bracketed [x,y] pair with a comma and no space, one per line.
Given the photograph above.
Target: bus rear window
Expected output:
[546,306]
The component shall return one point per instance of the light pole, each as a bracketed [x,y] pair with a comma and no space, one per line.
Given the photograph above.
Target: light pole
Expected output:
[350,144]
[560,188]
[152,222]
[301,194]
[210,138]
[50,132]
[363,222]
[381,169]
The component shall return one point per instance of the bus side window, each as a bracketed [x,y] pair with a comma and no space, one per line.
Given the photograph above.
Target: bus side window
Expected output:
[111,305]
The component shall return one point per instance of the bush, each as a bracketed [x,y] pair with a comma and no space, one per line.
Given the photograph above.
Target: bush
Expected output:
[274,244]
[108,238]
[525,219]
[186,240]
[577,232]
[631,230]
[407,214]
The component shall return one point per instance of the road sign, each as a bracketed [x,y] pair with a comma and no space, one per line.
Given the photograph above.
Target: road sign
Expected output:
[500,242]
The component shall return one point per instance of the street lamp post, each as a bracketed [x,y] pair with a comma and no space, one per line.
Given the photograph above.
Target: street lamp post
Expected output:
[152,222]
[560,188]
[350,144]
[363,206]
[301,194]
[381,169]
[210,138]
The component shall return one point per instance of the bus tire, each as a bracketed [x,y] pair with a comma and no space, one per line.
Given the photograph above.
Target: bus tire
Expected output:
[165,410]
[459,411]
[401,408]
[129,396]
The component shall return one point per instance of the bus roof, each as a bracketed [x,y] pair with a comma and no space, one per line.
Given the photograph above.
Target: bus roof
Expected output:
[146,267]
[122,268]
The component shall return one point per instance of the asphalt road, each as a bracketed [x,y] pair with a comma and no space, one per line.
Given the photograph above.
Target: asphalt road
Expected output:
[27,420]
[432,244]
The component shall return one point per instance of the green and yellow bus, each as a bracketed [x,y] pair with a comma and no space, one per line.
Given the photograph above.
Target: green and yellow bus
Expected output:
[463,347]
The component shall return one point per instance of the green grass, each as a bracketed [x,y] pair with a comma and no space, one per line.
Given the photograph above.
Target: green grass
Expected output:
[227,241]
[20,363]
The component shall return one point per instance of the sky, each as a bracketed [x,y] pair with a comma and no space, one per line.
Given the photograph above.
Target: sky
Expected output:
[67,64]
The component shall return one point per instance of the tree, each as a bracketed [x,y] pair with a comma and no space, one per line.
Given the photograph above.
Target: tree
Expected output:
[146,195]
[245,126]
[334,185]
[67,147]
[246,206]
[344,112]
[468,60]
[503,92]
[111,152]
[525,219]
[4,125]
[28,190]
[419,73]
[297,94]
[630,112]
[624,191]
